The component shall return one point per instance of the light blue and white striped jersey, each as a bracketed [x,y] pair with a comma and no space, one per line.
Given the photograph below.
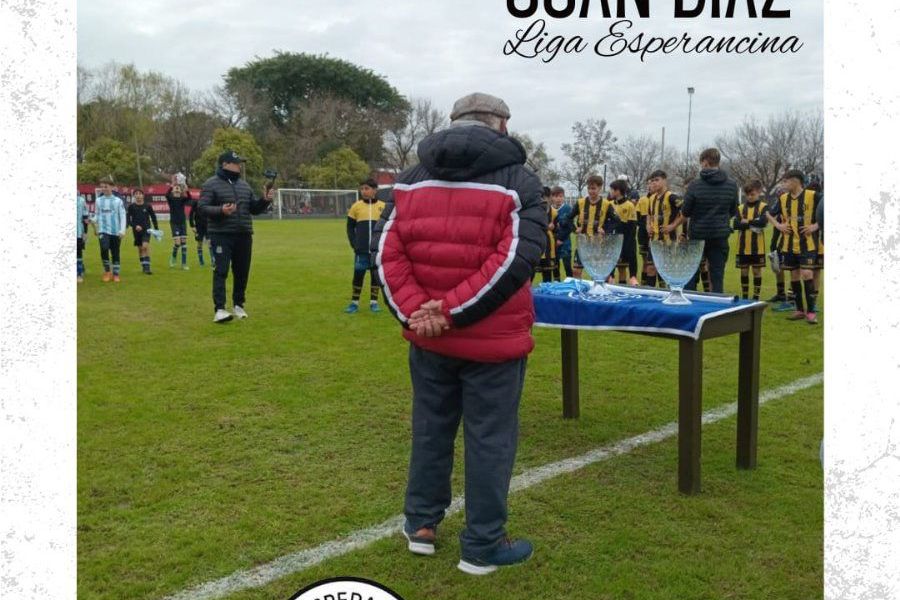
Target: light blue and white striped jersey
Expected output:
[109,215]
[82,214]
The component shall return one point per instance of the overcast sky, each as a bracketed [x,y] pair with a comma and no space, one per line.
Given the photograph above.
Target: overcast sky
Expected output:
[444,49]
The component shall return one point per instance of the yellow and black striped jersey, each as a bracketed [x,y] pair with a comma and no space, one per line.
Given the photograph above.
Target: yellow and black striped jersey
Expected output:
[797,213]
[751,236]
[589,218]
[551,234]
[626,210]
[663,209]
[642,207]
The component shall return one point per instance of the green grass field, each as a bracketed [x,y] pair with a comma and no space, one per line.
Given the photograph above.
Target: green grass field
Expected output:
[206,449]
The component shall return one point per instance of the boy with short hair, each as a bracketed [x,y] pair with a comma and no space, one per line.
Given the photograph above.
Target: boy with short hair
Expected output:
[140,216]
[109,225]
[664,208]
[594,215]
[81,220]
[177,199]
[562,231]
[361,220]
[619,194]
[794,220]
[750,223]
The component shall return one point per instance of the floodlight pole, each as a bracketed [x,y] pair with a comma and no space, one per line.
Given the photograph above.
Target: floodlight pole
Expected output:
[690,110]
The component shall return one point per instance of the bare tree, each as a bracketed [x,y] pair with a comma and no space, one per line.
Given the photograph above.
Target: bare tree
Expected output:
[589,149]
[636,157]
[420,120]
[538,159]
[225,106]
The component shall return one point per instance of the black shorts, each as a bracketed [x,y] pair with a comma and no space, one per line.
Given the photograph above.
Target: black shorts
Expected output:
[820,261]
[804,260]
[744,261]
[141,238]
[179,230]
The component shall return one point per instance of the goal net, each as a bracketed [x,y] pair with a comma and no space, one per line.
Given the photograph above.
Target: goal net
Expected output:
[303,203]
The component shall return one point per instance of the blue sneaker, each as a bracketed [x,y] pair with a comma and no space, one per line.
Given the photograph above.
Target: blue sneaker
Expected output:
[507,552]
[353,307]
[784,307]
[373,306]
[421,541]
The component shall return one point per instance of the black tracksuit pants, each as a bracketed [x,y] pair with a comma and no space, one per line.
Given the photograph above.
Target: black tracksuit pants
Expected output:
[231,250]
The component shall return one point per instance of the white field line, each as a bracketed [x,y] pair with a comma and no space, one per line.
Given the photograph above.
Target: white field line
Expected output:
[298,561]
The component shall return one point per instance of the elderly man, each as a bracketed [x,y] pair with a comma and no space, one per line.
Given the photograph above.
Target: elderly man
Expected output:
[456,247]
[227,202]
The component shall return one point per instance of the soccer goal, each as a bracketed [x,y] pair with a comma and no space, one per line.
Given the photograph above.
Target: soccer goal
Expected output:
[303,203]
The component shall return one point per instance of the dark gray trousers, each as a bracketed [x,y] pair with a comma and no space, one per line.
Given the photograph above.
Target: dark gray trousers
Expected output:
[485,396]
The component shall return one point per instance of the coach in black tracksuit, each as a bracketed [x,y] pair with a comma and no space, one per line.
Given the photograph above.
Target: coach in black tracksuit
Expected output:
[710,202]
[227,202]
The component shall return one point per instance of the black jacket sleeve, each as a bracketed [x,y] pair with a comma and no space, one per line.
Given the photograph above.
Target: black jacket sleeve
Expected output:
[351,232]
[192,220]
[152,214]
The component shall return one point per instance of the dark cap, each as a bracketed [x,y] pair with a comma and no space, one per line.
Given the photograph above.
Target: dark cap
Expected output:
[479,103]
[230,156]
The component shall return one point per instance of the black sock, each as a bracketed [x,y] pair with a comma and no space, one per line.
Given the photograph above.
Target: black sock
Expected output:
[643,279]
[651,280]
[797,288]
[757,284]
[745,285]
[780,285]
[707,283]
[810,291]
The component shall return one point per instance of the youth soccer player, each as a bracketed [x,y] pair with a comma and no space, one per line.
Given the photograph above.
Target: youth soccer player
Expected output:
[750,223]
[641,209]
[664,207]
[140,216]
[798,247]
[81,221]
[625,209]
[177,199]
[548,266]
[198,225]
[109,226]
[594,215]
[361,220]
[562,231]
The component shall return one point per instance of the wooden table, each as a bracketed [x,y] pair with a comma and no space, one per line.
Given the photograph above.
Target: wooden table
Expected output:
[747,322]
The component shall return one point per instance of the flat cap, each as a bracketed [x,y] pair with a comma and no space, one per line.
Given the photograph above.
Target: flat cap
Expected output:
[479,102]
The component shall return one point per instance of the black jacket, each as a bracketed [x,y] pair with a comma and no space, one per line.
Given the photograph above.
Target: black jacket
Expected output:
[216,191]
[710,202]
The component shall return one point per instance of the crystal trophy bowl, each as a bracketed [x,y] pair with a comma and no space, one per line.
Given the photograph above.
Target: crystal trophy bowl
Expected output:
[677,261]
[599,255]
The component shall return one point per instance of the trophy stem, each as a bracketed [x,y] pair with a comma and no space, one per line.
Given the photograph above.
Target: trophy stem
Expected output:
[599,289]
[676,296]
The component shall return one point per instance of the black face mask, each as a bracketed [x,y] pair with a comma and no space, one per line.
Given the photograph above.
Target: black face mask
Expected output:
[229,175]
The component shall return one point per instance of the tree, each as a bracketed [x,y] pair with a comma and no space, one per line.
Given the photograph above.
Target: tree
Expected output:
[110,158]
[421,119]
[339,169]
[231,139]
[589,150]
[636,157]
[538,159]
[326,101]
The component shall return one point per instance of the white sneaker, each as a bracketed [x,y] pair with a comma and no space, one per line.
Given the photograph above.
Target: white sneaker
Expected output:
[239,312]
[222,316]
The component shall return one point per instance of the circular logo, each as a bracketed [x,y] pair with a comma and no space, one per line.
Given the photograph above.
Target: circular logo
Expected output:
[346,588]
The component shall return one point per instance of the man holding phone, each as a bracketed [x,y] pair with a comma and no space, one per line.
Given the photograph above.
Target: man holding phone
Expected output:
[228,203]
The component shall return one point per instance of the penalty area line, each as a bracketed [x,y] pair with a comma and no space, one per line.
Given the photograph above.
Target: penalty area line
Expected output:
[298,561]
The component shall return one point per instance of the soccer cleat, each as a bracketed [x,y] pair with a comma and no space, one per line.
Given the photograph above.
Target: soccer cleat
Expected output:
[798,315]
[148,272]
[116,279]
[172,262]
[352,308]
[776,298]
[508,552]
[373,306]
[222,316]
[239,312]
[185,268]
[784,307]
[420,542]
[811,318]
[79,279]
[107,277]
